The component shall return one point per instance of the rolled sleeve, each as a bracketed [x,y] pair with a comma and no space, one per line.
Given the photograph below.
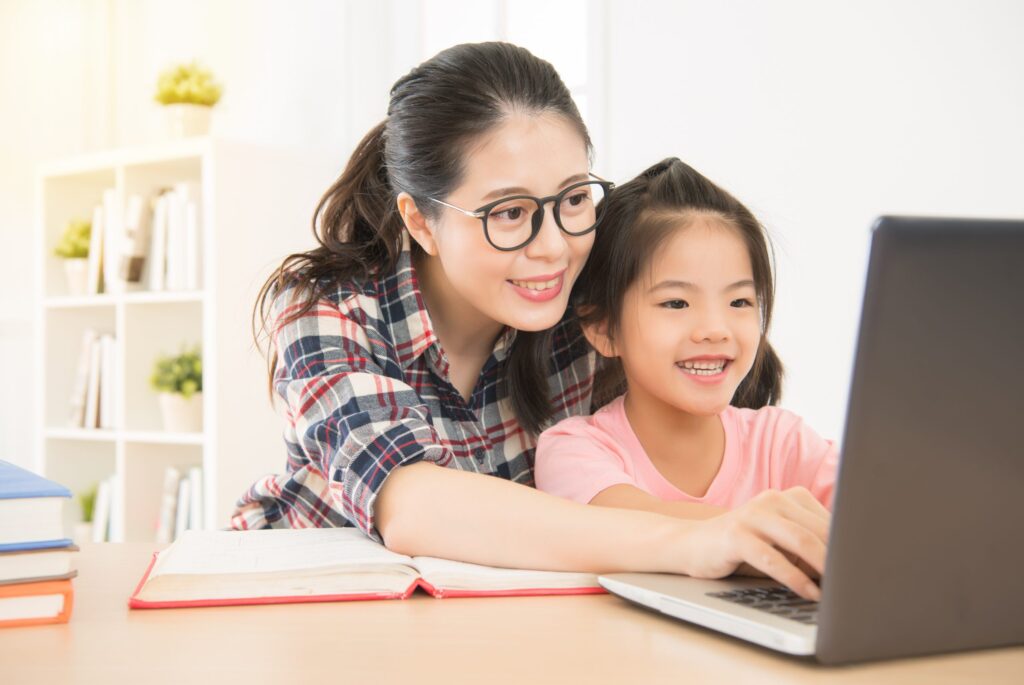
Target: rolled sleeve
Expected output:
[350,425]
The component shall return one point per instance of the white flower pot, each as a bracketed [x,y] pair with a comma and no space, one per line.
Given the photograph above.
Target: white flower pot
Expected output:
[181,415]
[185,119]
[77,273]
[82,533]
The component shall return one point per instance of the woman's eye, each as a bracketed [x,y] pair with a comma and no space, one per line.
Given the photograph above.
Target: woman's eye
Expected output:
[675,304]
[511,214]
[742,302]
[577,199]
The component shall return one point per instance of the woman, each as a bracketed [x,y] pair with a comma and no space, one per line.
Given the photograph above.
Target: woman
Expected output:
[427,341]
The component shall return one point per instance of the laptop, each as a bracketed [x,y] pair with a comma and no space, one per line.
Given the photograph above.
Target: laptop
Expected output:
[927,535]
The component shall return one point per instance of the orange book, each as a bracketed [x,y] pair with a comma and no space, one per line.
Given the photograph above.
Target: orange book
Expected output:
[29,604]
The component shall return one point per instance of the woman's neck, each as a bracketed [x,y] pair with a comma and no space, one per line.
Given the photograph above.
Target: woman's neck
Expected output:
[464,332]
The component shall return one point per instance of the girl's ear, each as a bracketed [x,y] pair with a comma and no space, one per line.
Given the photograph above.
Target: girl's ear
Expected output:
[597,336]
[417,224]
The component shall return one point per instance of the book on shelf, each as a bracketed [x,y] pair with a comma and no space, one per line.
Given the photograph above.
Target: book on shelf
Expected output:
[107,512]
[183,507]
[113,239]
[107,381]
[220,568]
[94,394]
[181,504]
[37,565]
[165,525]
[135,241]
[80,390]
[26,604]
[94,266]
[31,510]
[182,233]
[157,269]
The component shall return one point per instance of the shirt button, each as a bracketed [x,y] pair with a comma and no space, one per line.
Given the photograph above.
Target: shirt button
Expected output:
[479,454]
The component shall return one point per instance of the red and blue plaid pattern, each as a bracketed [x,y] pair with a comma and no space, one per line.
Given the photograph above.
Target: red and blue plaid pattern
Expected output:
[366,389]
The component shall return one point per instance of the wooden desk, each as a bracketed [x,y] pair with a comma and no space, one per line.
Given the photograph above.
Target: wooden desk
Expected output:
[592,639]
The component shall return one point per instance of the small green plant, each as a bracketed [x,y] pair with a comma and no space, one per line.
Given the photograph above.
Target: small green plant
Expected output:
[87,499]
[74,241]
[181,374]
[187,83]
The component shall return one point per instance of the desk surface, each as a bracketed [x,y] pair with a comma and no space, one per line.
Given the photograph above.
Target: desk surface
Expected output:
[593,639]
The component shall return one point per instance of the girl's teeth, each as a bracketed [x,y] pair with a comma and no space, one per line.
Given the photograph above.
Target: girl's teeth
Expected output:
[537,285]
[703,368]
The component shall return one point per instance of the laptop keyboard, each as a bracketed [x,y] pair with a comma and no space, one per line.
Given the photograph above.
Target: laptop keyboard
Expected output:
[781,602]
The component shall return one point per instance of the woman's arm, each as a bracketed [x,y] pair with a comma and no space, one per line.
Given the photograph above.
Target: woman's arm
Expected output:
[424,509]
[624,496]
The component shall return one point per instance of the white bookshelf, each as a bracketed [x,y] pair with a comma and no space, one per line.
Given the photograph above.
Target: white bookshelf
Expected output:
[256,205]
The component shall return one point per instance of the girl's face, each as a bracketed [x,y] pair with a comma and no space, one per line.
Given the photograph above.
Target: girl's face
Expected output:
[527,289]
[690,329]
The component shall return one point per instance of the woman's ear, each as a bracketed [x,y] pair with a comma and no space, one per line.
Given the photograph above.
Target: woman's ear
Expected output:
[597,336]
[417,224]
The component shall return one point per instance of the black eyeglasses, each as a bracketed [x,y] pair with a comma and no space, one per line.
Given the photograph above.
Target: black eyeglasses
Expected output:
[513,222]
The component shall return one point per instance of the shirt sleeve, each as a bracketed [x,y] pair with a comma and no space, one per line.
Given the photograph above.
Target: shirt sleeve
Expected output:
[577,460]
[804,458]
[352,423]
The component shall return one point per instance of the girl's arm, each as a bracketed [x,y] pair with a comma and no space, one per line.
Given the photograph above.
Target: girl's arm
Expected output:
[425,509]
[625,496]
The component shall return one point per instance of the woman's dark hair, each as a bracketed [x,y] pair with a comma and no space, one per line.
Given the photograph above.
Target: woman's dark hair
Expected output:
[435,114]
[638,217]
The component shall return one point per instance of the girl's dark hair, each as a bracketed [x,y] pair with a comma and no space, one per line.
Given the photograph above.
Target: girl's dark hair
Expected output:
[435,114]
[638,217]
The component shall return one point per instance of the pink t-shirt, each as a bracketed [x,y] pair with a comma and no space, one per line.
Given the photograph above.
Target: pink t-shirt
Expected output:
[768,448]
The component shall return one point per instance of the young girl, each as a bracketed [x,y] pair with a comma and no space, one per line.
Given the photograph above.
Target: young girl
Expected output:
[677,297]
[427,340]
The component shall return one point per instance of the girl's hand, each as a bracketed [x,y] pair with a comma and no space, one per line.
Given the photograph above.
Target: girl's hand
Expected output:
[776,533]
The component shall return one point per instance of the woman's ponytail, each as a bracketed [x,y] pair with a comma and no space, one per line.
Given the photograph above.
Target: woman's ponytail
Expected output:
[359,232]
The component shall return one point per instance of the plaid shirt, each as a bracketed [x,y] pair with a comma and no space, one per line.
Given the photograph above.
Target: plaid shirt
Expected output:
[366,389]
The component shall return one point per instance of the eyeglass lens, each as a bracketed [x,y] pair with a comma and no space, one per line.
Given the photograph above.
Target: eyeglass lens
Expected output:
[511,224]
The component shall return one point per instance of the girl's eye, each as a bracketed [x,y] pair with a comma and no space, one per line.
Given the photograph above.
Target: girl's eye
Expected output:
[675,304]
[742,302]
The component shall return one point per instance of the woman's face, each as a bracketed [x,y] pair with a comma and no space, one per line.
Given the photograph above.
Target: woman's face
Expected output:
[527,289]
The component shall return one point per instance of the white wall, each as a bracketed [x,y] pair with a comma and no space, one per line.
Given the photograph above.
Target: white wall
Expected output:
[818,115]
[821,116]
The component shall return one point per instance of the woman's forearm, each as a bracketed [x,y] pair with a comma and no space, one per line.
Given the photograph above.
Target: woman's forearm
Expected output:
[428,510]
[630,497]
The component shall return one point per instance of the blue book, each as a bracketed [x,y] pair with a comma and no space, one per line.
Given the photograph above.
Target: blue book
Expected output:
[31,510]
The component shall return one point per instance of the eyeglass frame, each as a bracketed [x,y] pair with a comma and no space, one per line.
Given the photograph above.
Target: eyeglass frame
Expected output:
[483,212]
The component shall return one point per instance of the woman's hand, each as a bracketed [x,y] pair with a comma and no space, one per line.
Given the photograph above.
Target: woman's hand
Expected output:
[782,534]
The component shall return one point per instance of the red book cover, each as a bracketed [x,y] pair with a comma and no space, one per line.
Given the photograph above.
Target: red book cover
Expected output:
[135,602]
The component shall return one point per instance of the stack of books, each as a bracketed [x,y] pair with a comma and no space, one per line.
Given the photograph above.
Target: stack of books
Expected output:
[140,243]
[36,565]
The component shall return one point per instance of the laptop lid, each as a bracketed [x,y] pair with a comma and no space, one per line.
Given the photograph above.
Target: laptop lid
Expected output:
[927,537]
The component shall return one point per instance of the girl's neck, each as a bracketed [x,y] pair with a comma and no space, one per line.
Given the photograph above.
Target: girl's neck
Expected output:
[685,448]
[462,330]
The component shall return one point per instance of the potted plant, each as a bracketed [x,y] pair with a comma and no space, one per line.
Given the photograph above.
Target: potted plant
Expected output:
[83,529]
[73,248]
[187,92]
[179,380]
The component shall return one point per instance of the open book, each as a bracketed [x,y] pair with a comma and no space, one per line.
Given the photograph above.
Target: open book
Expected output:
[218,568]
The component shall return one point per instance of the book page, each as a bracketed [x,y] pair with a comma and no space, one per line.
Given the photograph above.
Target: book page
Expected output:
[206,552]
[459,575]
